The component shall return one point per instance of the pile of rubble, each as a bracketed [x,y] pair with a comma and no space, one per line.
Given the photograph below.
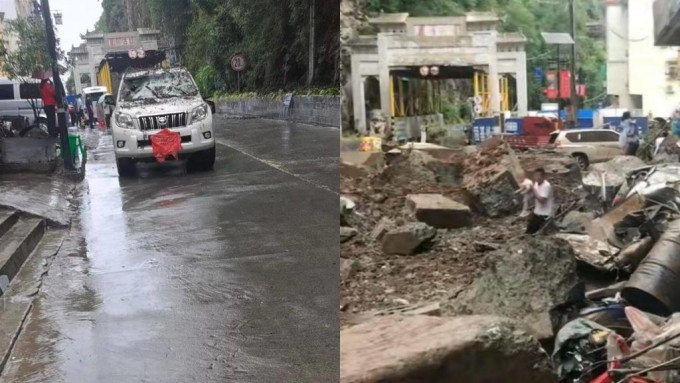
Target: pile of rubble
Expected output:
[436,232]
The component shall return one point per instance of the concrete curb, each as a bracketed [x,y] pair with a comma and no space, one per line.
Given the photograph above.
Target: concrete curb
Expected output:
[8,220]
[18,243]
[17,304]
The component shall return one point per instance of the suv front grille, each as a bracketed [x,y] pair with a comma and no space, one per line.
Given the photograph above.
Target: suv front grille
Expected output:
[174,120]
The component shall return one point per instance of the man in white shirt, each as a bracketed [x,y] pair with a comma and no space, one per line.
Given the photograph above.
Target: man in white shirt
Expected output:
[543,202]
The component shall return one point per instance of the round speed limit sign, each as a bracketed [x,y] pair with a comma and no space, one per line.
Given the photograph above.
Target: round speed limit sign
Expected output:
[238,63]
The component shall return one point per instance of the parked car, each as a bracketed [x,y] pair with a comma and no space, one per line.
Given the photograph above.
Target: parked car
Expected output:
[586,145]
[16,96]
[151,100]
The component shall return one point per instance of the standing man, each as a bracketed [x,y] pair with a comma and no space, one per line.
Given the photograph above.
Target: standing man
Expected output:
[630,140]
[90,112]
[543,202]
[632,136]
[79,110]
[47,94]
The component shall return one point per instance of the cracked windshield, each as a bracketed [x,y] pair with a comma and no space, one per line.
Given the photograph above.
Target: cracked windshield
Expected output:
[158,85]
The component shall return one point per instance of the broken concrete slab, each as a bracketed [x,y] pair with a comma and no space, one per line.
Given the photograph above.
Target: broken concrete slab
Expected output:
[523,280]
[481,349]
[347,233]
[614,172]
[576,222]
[382,227]
[438,211]
[497,196]
[406,240]
[603,228]
[598,254]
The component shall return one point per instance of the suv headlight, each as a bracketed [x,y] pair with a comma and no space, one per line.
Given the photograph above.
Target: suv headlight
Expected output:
[124,120]
[199,113]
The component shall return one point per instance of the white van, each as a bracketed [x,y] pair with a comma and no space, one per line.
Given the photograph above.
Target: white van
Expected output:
[16,97]
[93,93]
[151,100]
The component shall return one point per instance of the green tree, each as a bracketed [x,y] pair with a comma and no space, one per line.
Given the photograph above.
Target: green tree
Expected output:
[71,85]
[273,35]
[31,56]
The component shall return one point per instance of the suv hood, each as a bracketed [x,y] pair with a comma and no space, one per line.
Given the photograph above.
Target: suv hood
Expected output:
[159,106]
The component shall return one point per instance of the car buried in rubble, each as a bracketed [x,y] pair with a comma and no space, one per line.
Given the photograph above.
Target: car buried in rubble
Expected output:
[149,101]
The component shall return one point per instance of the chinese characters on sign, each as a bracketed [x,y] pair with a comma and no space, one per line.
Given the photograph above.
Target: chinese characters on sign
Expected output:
[120,41]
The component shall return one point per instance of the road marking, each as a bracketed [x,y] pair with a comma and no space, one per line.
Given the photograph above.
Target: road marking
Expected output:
[278,167]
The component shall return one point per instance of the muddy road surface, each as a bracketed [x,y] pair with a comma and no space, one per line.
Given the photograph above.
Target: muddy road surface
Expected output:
[229,275]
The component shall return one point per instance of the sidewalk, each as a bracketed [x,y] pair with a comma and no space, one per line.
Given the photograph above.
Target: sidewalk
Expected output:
[45,195]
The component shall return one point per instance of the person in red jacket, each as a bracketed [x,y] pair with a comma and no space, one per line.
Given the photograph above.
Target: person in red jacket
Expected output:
[48,99]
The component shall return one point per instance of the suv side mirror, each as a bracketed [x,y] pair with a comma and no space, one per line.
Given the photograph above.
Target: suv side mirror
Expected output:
[110,101]
[211,104]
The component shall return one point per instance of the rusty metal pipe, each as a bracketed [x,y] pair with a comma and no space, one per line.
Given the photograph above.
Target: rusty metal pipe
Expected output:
[654,287]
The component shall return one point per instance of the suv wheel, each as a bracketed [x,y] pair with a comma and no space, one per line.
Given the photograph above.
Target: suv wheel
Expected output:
[126,167]
[204,160]
[582,160]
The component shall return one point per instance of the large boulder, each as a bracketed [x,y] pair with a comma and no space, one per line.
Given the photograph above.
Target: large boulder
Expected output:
[496,196]
[439,211]
[523,280]
[407,239]
[481,349]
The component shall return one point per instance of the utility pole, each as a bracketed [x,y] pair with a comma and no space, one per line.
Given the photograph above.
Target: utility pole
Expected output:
[59,88]
[312,24]
[574,96]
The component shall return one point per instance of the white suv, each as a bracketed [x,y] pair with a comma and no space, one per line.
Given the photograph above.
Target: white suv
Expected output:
[151,100]
[586,145]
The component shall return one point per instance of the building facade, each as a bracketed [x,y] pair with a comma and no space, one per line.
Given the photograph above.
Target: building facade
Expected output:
[86,58]
[641,76]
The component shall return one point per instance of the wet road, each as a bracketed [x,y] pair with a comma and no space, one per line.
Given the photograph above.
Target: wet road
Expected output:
[228,275]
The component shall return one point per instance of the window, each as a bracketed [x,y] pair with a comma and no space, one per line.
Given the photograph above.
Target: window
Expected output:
[29,91]
[607,136]
[573,137]
[7,92]
[590,137]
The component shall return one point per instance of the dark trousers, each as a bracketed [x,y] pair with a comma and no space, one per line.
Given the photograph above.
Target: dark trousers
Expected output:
[631,148]
[90,117]
[51,120]
[108,121]
[535,223]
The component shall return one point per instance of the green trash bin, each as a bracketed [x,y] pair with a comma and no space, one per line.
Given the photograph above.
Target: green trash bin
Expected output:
[76,145]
